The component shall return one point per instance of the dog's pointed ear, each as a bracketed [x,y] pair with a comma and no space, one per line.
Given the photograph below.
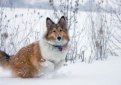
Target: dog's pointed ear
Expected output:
[49,23]
[62,22]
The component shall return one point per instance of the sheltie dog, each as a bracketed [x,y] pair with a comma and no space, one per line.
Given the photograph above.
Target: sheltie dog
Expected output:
[47,54]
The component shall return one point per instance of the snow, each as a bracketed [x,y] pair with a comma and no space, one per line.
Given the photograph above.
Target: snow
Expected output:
[107,72]
[21,20]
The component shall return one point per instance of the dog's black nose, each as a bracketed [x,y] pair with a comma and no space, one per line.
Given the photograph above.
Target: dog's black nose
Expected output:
[59,38]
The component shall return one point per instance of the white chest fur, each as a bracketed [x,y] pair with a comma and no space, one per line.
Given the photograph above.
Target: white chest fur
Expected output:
[52,55]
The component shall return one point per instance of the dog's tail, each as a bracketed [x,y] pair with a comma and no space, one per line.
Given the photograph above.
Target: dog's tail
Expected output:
[4,59]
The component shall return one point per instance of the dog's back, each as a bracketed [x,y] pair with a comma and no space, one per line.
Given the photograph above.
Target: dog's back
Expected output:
[26,63]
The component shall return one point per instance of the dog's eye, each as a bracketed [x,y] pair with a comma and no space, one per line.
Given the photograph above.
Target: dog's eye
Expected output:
[60,30]
[53,30]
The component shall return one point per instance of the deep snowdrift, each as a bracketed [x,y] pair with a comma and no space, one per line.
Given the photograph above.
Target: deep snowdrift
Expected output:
[106,72]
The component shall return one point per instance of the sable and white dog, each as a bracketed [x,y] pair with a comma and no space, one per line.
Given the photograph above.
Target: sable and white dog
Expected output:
[47,54]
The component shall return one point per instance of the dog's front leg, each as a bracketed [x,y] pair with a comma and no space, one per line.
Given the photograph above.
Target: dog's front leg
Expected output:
[47,67]
[59,65]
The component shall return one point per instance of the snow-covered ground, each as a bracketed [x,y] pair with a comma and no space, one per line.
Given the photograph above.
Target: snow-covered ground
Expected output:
[97,73]
[27,25]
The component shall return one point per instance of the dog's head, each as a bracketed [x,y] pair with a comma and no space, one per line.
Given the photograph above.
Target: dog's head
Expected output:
[57,34]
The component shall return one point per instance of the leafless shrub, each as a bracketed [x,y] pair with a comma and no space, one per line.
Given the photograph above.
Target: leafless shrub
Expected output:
[96,39]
